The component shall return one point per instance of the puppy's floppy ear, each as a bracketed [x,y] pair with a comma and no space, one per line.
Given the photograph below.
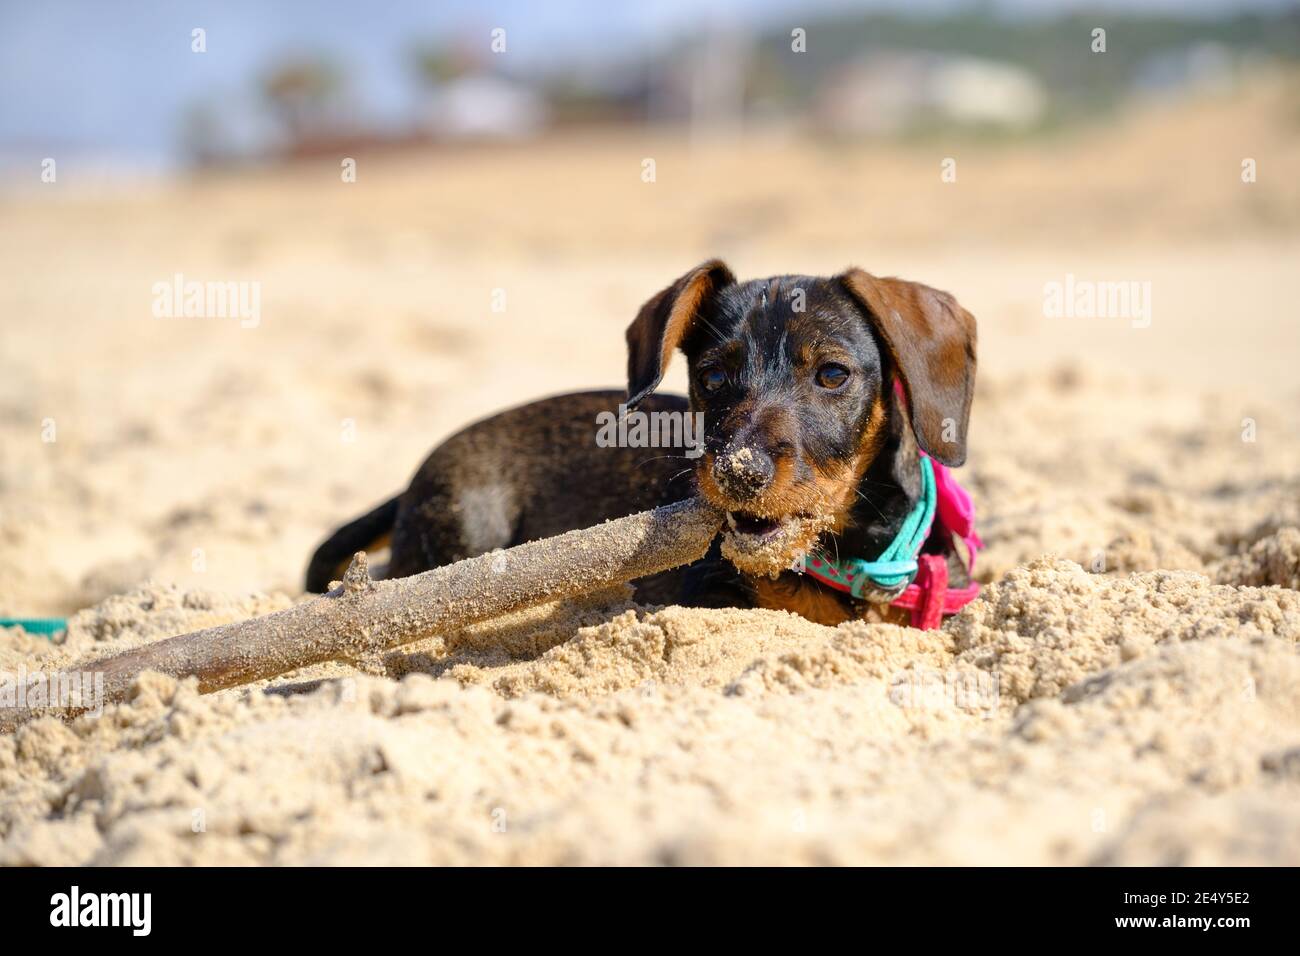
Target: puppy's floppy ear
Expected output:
[664,322]
[932,342]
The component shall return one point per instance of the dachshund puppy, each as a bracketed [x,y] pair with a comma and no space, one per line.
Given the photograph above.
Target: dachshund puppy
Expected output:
[814,398]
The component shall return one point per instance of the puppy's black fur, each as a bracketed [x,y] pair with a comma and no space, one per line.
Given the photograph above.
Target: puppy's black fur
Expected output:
[794,376]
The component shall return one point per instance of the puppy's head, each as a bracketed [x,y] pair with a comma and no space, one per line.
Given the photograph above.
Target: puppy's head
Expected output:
[793,375]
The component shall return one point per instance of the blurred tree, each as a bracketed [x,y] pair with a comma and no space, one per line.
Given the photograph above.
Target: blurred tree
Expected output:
[300,94]
[439,64]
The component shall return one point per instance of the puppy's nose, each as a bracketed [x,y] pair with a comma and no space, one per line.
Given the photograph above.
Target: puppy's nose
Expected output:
[743,472]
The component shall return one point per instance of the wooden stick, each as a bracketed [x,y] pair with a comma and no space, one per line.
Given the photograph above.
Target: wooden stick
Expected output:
[362,615]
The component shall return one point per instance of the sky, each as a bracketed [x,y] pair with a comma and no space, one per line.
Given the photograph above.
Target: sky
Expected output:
[112,77]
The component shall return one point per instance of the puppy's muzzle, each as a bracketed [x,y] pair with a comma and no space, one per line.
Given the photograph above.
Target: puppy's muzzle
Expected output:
[743,473]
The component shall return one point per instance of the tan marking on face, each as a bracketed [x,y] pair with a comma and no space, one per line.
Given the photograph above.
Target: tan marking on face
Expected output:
[829,495]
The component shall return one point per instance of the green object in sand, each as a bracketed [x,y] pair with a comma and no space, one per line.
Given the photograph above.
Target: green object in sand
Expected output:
[48,626]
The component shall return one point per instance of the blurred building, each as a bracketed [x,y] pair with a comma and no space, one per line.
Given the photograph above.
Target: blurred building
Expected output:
[483,106]
[892,92]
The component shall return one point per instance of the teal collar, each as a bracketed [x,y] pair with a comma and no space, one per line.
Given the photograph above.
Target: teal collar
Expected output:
[896,566]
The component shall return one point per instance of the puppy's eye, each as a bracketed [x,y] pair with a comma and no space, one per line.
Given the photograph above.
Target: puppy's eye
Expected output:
[711,378]
[831,375]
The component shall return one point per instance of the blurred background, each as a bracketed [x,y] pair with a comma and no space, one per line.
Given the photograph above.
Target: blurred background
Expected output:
[114,86]
[450,208]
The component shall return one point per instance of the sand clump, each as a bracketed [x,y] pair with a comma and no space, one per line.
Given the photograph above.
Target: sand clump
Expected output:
[1273,560]
[773,555]
[1039,627]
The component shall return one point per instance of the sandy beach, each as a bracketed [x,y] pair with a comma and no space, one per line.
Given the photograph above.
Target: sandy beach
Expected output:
[1125,691]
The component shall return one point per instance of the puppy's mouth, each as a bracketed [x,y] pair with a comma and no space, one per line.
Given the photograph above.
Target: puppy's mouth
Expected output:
[765,545]
[756,526]
[772,532]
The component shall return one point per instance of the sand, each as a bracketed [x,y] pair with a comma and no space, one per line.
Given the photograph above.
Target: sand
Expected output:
[1125,691]
[1066,718]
